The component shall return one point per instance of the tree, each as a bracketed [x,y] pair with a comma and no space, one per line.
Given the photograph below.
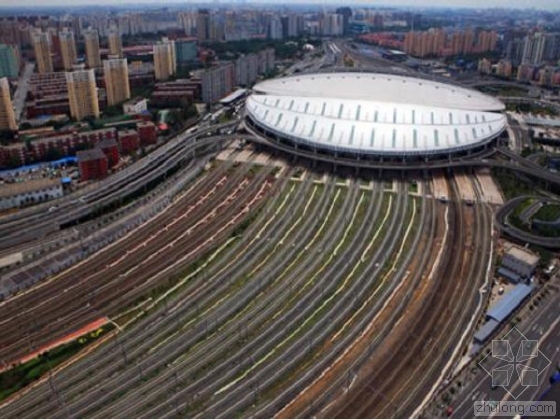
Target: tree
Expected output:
[112,111]
[6,136]
[188,111]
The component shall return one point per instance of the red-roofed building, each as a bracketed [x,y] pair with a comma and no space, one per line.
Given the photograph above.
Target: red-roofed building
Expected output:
[129,141]
[13,155]
[147,132]
[111,150]
[93,164]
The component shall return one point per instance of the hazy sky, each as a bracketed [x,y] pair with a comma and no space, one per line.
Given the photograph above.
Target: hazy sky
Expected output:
[538,4]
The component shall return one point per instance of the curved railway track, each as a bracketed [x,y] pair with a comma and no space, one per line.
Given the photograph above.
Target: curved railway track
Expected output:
[97,289]
[161,320]
[257,328]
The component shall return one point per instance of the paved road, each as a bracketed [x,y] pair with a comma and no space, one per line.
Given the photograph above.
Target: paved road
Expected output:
[21,91]
[543,324]
[519,234]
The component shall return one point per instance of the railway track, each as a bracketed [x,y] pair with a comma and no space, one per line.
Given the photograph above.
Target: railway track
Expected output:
[430,345]
[201,305]
[356,347]
[73,379]
[93,278]
[449,339]
[364,402]
[256,328]
[236,388]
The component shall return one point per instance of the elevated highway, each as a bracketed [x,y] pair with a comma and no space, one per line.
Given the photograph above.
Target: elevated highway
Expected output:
[42,220]
[519,234]
[482,159]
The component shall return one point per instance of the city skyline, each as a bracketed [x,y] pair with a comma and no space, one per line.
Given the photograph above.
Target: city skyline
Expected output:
[513,4]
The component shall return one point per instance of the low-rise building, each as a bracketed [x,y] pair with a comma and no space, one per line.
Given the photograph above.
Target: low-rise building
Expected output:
[135,106]
[110,148]
[93,164]
[67,144]
[129,141]
[171,98]
[520,261]
[147,132]
[12,155]
[176,93]
[19,194]
[50,147]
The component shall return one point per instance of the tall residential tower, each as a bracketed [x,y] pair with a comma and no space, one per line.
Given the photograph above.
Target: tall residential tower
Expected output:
[82,93]
[42,49]
[116,80]
[91,40]
[7,116]
[115,43]
[67,49]
[164,59]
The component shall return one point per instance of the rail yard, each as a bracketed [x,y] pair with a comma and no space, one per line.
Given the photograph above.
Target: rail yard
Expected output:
[321,305]
[238,277]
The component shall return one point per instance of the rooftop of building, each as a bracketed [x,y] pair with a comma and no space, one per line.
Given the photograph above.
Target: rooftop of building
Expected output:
[17,188]
[105,143]
[233,96]
[376,113]
[523,254]
[91,154]
[127,132]
[500,310]
[379,87]
[174,92]
[135,101]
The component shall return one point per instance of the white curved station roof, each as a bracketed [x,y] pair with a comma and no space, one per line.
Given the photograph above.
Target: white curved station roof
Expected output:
[375,113]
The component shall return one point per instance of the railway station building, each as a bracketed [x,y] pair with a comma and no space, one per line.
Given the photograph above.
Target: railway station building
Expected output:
[380,117]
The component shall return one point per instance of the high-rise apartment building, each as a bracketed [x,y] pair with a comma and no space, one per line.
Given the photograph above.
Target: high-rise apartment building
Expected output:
[115,43]
[468,41]
[514,51]
[552,47]
[7,116]
[346,13]
[203,25]
[117,86]
[436,42]
[217,82]
[216,29]
[246,69]
[275,28]
[41,47]
[332,24]
[165,64]
[533,48]
[486,41]
[91,40]
[504,68]
[82,93]
[266,60]
[186,51]
[67,49]
[9,60]
[187,21]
